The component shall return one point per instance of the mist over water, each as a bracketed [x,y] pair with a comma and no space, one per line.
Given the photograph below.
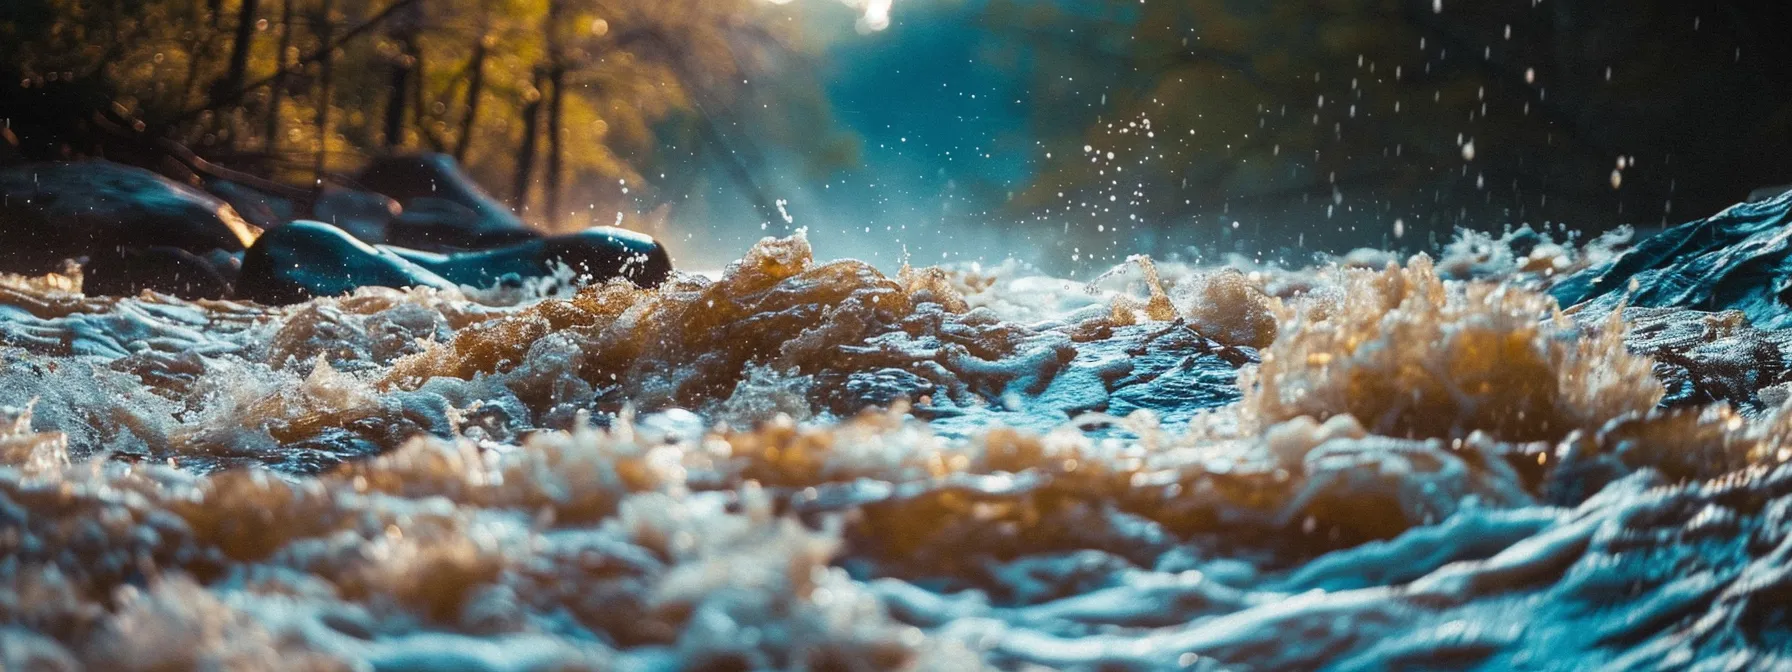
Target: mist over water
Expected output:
[1074,134]
[939,142]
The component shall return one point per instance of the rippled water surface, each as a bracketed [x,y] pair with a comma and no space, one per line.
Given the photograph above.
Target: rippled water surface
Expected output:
[1374,464]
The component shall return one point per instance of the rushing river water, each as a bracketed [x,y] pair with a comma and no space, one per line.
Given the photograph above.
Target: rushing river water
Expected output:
[1374,464]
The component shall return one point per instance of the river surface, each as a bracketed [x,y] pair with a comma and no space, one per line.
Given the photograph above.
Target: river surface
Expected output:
[1372,464]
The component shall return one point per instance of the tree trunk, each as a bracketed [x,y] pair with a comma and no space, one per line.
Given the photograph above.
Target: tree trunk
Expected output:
[525,158]
[197,52]
[406,71]
[419,113]
[475,88]
[325,81]
[556,105]
[399,87]
[272,141]
[239,48]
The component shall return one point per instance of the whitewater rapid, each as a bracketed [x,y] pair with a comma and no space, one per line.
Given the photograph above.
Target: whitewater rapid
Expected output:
[1368,464]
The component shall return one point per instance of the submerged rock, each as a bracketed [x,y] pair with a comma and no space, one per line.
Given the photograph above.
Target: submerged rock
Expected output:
[599,254]
[444,209]
[115,217]
[307,259]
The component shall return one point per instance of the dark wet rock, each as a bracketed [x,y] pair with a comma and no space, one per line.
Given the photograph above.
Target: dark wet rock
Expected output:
[439,225]
[125,271]
[1710,301]
[50,212]
[597,254]
[307,259]
[363,214]
[134,230]
[258,207]
[1768,193]
[1739,259]
[444,210]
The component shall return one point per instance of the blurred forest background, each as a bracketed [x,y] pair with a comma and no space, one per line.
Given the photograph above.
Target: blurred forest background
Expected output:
[1070,132]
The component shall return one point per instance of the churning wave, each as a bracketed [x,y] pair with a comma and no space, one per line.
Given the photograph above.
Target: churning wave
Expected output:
[804,465]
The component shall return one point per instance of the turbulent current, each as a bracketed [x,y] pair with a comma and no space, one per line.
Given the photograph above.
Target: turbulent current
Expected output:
[1520,455]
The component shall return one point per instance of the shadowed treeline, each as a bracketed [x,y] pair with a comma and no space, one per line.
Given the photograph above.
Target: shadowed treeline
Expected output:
[560,107]
[1330,121]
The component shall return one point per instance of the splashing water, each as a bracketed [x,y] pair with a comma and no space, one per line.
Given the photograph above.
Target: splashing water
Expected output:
[815,465]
